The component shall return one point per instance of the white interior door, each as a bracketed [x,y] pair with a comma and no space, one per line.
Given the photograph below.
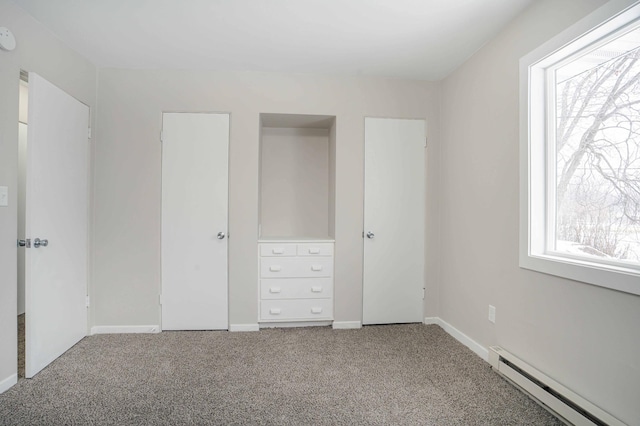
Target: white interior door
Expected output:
[394,219]
[195,189]
[56,211]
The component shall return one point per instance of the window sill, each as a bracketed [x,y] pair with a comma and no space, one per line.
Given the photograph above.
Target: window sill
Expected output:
[612,277]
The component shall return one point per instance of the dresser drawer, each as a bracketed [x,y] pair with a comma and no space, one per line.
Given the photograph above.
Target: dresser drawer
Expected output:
[310,309]
[276,249]
[296,288]
[315,249]
[291,267]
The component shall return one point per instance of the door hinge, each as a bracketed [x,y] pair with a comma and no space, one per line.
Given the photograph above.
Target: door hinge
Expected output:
[426,142]
[160,299]
[88,302]
[161,136]
[424,293]
[89,132]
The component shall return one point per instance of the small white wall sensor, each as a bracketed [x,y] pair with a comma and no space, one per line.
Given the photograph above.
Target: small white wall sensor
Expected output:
[4,196]
[7,40]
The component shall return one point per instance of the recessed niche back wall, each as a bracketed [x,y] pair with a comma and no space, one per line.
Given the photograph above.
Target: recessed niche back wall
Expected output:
[295,182]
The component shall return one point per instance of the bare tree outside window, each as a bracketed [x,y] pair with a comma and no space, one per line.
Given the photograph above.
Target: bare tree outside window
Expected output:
[597,148]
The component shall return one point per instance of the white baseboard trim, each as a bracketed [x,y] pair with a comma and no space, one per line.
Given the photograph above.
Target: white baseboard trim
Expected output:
[346,325]
[244,327]
[476,347]
[123,329]
[7,383]
[294,324]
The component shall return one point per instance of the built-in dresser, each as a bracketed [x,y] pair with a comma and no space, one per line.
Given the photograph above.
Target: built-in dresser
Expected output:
[296,280]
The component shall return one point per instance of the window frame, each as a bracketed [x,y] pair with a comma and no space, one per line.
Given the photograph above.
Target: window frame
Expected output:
[535,157]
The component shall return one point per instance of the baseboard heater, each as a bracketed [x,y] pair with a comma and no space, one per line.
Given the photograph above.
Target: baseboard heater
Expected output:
[567,405]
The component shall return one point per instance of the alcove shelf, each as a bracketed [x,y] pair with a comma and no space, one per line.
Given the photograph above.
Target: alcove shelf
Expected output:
[297,177]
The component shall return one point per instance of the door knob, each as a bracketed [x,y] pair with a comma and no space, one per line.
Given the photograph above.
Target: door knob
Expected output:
[38,242]
[370,235]
[220,235]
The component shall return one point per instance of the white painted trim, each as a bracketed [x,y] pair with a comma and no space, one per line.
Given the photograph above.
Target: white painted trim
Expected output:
[244,327]
[533,253]
[292,324]
[124,329]
[7,383]
[346,325]
[476,347]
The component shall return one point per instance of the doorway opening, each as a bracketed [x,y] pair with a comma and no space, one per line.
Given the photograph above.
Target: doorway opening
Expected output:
[22,179]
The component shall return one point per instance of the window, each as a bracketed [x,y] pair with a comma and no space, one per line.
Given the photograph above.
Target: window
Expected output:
[580,152]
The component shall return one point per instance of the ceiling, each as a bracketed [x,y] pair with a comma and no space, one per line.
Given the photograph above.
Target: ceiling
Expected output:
[414,39]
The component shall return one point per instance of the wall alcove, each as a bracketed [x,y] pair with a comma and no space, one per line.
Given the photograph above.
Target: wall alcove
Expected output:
[297,176]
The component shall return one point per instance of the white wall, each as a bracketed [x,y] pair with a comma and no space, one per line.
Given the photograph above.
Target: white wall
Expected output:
[38,51]
[294,182]
[585,337]
[331,207]
[126,248]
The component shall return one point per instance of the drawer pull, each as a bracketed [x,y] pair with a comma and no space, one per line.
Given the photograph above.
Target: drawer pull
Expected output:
[275,268]
[278,250]
[316,268]
[274,289]
[316,310]
[316,289]
[274,311]
[314,251]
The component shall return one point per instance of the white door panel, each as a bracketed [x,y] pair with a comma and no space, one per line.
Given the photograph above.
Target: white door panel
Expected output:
[56,210]
[194,210]
[394,214]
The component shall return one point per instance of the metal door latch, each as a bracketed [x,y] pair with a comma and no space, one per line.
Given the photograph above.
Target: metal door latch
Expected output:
[38,242]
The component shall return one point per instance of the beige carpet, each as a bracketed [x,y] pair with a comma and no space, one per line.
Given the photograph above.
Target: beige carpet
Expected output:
[21,331]
[379,375]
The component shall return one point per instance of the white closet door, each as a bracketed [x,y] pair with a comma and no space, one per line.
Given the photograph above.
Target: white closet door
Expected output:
[56,211]
[195,186]
[394,218]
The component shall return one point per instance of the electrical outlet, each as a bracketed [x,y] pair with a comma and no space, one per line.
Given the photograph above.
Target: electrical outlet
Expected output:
[492,314]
